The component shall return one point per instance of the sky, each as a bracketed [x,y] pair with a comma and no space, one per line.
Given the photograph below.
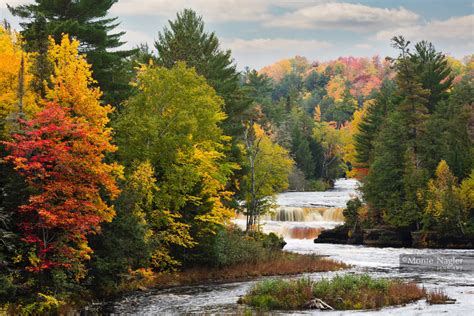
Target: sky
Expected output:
[261,32]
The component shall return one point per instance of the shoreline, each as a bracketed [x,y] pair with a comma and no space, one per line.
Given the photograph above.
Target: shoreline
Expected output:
[296,264]
[385,237]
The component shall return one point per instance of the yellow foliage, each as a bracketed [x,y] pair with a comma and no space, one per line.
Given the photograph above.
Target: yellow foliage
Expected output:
[10,61]
[278,70]
[467,191]
[336,87]
[317,114]
[348,132]
[45,305]
[72,83]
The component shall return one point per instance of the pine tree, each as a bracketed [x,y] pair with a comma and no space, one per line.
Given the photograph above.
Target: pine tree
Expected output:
[383,187]
[85,21]
[186,40]
[414,98]
[447,136]
[373,121]
[434,73]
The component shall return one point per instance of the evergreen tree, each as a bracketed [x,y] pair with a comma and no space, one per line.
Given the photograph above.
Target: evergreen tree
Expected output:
[434,73]
[373,121]
[383,187]
[414,98]
[84,20]
[186,40]
[447,136]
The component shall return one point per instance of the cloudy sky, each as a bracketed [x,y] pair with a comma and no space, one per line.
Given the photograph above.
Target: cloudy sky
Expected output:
[260,32]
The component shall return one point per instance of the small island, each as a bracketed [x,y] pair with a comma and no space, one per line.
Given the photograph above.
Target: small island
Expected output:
[346,292]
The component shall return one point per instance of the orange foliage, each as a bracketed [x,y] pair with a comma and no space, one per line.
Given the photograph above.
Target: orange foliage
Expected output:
[278,70]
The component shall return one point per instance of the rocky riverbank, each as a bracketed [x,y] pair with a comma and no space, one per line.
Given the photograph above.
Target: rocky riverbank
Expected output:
[388,237]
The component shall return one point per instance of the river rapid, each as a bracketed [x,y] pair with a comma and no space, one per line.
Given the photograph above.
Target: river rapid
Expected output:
[299,218]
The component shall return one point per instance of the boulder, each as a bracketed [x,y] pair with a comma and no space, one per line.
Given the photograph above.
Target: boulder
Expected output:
[337,235]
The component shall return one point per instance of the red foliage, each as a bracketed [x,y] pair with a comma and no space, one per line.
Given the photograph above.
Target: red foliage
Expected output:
[61,157]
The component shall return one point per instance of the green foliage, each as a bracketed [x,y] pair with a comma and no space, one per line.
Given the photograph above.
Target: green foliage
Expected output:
[230,246]
[346,292]
[407,131]
[331,142]
[269,166]
[434,72]
[373,121]
[448,137]
[174,124]
[351,212]
[45,304]
[280,294]
[383,187]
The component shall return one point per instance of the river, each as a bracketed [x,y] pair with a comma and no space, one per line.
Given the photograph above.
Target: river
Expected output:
[299,217]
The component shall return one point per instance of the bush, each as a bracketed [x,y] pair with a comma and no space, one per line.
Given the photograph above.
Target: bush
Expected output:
[280,294]
[320,185]
[351,212]
[231,246]
[7,288]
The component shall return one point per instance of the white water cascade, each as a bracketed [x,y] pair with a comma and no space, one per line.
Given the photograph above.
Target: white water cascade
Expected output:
[303,215]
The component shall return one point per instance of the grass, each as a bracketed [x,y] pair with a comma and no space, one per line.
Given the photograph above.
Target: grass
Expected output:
[347,292]
[438,297]
[281,263]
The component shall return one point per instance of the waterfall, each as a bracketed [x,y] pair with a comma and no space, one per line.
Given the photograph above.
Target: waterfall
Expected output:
[300,232]
[305,214]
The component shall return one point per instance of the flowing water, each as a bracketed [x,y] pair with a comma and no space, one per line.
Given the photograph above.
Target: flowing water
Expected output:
[300,216]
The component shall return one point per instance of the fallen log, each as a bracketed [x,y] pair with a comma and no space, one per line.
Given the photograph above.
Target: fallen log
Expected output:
[317,303]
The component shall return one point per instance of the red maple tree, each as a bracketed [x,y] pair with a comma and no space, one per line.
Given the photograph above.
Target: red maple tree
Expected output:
[62,158]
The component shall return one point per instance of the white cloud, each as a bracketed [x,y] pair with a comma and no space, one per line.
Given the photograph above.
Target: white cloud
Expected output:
[212,10]
[260,52]
[454,36]
[453,29]
[346,16]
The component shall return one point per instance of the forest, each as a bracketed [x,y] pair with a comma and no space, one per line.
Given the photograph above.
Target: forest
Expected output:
[122,166]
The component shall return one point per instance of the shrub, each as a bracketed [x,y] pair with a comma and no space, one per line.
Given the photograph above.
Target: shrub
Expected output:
[280,294]
[231,246]
[351,212]
[438,297]
[319,185]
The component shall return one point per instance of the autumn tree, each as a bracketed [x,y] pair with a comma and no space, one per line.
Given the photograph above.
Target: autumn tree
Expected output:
[17,100]
[444,210]
[60,152]
[174,123]
[331,142]
[268,168]
[62,159]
